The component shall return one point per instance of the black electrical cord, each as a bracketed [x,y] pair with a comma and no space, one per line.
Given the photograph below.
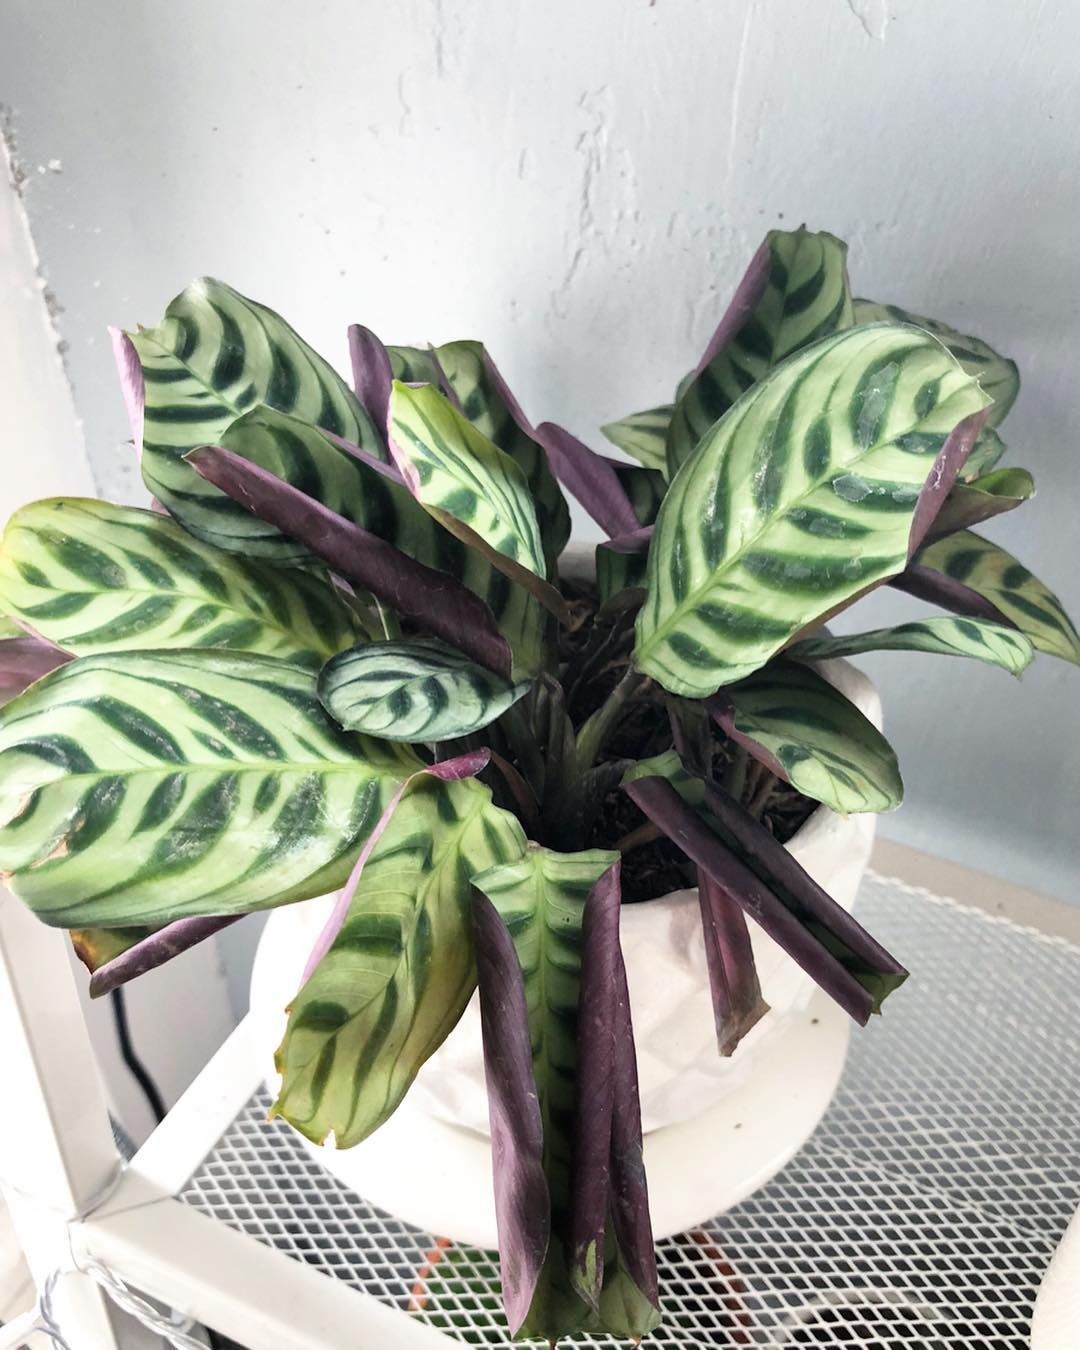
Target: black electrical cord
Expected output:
[131,1059]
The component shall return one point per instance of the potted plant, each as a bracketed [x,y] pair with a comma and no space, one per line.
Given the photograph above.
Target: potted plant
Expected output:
[341,655]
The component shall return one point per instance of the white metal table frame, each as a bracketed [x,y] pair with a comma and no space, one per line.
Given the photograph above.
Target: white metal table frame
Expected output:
[75,1206]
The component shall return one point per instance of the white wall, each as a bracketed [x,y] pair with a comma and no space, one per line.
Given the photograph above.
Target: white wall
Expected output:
[581,184]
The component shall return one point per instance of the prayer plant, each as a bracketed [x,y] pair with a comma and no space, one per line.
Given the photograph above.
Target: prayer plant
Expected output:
[338,655]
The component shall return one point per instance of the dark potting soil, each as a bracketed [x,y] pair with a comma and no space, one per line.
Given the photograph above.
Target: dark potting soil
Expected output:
[601,645]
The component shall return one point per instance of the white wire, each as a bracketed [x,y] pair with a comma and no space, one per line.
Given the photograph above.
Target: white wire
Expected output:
[42,1320]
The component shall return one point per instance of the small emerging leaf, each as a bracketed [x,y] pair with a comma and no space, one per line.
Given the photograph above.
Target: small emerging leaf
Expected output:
[978,499]
[806,732]
[413,691]
[643,436]
[979,638]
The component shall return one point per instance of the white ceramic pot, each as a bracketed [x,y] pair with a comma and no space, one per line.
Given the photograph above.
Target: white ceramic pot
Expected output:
[715,1129]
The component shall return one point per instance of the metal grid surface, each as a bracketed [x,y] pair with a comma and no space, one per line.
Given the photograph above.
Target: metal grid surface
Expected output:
[922,1213]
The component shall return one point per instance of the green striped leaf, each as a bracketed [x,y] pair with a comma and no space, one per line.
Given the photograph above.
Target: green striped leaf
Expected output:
[399,973]
[801,497]
[997,375]
[795,293]
[416,365]
[93,577]
[141,787]
[646,489]
[489,405]
[215,355]
[541,899]
[988,449]
[413,691]
[982,498]
[808,733]
[470,486]
[946,636]
[643,436]
[997,576]
[9,628]
[373,497]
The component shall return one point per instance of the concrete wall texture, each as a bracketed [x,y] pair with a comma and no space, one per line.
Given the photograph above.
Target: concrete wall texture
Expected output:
[581,185]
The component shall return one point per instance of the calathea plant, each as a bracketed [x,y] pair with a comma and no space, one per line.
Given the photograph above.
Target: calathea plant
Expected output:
[339,655]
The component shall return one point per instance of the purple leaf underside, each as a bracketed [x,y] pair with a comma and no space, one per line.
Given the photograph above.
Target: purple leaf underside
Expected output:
[157,949]
[743,302]
[433,600]
[924,583]
[522,1200]
[24,660]
[733,979]
[801,930]
[372,377]
[591,478]
[132,384]
[950,460]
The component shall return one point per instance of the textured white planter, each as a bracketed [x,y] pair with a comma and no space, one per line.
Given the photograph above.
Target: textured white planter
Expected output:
[715,1129]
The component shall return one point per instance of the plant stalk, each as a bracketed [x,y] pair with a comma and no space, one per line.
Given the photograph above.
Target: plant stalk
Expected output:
[592,735]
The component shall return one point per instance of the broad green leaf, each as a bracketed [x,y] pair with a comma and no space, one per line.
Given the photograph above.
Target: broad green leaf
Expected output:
[809,733]
[141,787]
[377,500]
[9,628]
[998,577]
[997,375]
[645,488]
[413,690]
[400,972]
[215,355]
[492,409]
[946,636]
[93,577]
[800,295]
[541,899]
[982,498]
[643,436]
[466,482]
[801,497]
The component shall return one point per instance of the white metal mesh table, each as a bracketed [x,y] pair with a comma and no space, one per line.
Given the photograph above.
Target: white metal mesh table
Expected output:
[922,1213]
